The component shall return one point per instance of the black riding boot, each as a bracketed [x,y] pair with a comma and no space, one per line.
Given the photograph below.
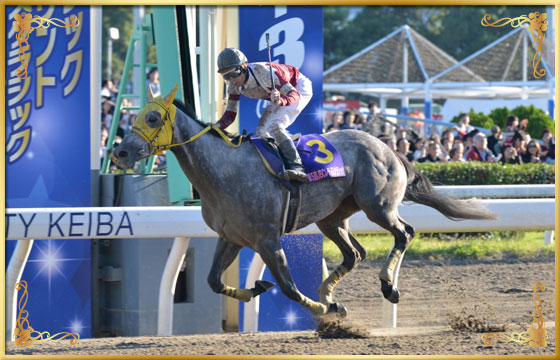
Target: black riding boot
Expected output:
[292,162]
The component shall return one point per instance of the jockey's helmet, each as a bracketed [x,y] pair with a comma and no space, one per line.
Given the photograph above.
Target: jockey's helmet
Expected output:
[230,59]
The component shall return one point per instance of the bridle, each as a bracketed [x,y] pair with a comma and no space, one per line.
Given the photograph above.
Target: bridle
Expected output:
[167,125]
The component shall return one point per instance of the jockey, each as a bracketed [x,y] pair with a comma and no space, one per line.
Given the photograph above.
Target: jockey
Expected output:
[291,93]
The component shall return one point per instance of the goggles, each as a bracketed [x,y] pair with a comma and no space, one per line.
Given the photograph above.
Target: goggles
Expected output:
[233,73]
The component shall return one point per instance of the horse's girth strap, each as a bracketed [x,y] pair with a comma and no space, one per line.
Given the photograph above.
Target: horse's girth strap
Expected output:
[294,206]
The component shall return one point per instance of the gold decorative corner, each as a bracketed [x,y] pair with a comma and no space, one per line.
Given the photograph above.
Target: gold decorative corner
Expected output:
[536,23]
[535,335]
[25,335]
[25,24]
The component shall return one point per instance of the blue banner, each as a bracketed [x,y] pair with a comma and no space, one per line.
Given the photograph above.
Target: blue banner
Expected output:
[276,312]
[48,157]
[296,38]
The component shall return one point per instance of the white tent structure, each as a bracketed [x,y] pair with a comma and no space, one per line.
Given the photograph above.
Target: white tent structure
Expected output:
[405,65]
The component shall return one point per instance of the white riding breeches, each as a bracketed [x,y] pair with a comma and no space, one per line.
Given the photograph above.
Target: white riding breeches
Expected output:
[276,119]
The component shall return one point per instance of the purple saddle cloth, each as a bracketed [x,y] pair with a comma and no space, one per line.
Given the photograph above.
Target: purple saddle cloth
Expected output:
[320,158]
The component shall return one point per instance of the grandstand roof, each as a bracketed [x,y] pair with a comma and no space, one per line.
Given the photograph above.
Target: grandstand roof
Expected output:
[404,63]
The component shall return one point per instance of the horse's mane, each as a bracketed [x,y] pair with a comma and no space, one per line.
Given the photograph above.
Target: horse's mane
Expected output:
[189,111]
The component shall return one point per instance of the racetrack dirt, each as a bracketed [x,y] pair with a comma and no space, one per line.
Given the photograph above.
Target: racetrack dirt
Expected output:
[470,295]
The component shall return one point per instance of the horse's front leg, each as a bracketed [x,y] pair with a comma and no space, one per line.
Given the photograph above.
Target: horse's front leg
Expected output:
[224,255]
[275,259]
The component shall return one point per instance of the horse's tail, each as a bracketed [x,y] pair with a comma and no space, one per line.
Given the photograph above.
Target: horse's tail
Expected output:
[420,190]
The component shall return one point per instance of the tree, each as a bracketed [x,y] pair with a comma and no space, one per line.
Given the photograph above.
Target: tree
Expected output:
[120,17]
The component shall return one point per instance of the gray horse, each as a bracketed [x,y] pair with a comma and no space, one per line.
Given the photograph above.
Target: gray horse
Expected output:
[245,204]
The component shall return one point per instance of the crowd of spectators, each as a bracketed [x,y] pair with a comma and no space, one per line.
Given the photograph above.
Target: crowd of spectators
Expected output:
[461,143]
[109,95]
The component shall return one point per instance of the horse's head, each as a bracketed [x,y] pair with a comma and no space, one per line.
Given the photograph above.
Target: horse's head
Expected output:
[151,132]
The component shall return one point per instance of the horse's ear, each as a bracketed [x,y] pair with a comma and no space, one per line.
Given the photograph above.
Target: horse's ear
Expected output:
[169,98]
[150,94]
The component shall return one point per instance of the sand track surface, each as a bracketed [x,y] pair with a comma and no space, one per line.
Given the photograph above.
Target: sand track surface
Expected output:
[493,292]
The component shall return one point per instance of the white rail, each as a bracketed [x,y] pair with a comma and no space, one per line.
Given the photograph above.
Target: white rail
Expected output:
[186,222]
[166,222]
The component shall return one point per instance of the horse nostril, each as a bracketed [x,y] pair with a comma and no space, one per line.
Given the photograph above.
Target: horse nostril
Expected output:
[122,154]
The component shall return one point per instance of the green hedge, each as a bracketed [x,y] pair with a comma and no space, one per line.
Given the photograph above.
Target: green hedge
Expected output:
[480,173]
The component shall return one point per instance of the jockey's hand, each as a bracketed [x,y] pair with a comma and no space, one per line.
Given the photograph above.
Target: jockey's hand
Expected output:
[275,97]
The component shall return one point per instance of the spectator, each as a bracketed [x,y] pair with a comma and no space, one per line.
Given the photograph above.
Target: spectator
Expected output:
[447,137]
[533,154]
[104,137]
[373,124]
[519,143]
[455,155]
[108,90]
[494,140]
[434,153]
[512,123]
[435,137]
[464,127]
[420,149]
[546,139]
[153,82]
[390,142]
[460,150]
[401,133]
[467,143]
[348,120]
[360,120]
[107,110]
[336,120]
[479,150]
[510,156]
[403,147]
[523,126]
[550,156]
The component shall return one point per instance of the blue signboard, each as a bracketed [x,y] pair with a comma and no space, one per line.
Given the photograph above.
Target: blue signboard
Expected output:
[276,312]
[48,158]
[296,38]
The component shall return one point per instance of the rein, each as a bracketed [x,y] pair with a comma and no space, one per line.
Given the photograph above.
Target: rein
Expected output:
[157,149]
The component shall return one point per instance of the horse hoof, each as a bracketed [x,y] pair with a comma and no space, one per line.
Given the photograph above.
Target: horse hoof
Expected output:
[338,309]
[389,292]
[262,286]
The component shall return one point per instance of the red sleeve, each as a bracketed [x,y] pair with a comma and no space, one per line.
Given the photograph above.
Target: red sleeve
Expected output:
[290,98]
[227,118]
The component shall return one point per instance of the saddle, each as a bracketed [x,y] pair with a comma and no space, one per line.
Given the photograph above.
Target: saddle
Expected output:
[320,158]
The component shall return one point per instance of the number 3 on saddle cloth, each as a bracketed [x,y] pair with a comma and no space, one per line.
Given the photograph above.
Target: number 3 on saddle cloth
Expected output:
[320,158]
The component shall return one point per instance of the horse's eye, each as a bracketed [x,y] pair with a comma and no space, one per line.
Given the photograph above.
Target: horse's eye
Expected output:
[152,119]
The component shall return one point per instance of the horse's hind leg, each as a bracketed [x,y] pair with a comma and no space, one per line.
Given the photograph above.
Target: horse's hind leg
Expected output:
[335,227]
[403,233]
[273,256]
[388,218]
[224,255]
